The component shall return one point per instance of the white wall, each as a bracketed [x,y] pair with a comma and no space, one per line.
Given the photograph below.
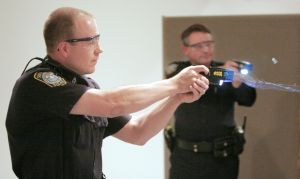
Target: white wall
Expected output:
[131,36]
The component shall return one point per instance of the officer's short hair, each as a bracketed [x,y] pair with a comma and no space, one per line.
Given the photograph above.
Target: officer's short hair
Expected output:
[60,26]
[193,28]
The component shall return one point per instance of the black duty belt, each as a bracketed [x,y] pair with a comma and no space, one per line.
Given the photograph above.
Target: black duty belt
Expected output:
[202,146]
[220,147]
[229,145]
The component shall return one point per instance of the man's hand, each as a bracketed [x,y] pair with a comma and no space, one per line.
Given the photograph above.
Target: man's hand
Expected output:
[191,79]
[236,82]
[196,91]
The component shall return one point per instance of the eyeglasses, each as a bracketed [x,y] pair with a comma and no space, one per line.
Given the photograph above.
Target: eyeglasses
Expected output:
[92,41]
[93,38]
[201,45]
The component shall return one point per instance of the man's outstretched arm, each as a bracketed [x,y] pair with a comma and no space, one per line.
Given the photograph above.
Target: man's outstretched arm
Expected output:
[128,99]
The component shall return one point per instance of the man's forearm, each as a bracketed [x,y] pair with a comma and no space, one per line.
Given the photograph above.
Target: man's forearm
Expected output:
[130,99]
[140,130]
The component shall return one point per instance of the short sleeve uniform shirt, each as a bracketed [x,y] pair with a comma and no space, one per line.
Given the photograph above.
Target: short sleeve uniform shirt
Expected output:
[45,140]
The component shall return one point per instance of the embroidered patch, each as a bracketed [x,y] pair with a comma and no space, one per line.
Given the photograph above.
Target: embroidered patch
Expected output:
[171,68]
[50,79]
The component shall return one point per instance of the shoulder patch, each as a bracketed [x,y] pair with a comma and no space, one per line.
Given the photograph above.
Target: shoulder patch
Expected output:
[50,79]
[171,68]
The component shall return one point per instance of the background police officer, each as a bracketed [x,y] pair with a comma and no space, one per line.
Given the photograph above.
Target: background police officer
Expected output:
[206,144]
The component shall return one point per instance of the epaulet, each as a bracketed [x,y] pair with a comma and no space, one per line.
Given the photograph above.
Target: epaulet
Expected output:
[49,78]
[175,67]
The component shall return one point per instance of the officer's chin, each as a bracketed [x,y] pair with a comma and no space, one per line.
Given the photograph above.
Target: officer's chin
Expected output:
[87,71]
[92,70]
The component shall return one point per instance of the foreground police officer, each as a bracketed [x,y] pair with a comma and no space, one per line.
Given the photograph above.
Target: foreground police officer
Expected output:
[206,143]
[57,117]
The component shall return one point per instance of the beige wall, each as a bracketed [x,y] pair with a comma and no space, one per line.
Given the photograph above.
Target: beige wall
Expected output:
[272,127]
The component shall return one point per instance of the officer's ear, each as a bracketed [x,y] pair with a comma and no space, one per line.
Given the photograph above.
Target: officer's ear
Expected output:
[63,48]
[184,49]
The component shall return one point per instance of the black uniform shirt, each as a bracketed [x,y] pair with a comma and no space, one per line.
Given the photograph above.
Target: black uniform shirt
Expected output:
[45,140]
[213,114]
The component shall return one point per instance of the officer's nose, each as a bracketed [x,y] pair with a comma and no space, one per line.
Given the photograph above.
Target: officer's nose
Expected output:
[205,48]
[98,49]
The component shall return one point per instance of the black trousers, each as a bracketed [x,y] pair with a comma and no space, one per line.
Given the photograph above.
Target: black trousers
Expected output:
[189,165]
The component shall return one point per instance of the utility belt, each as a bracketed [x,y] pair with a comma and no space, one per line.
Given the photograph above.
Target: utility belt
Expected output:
[222,147]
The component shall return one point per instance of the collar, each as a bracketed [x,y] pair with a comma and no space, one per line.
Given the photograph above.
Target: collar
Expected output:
[212,63]
[67,74]
[216,63]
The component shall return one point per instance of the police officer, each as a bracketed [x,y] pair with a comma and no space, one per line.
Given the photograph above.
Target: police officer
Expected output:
[58,117]
[206,145]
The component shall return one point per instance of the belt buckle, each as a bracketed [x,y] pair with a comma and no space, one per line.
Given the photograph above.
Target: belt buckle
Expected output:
[201,144]
[195,148]
[223,146]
